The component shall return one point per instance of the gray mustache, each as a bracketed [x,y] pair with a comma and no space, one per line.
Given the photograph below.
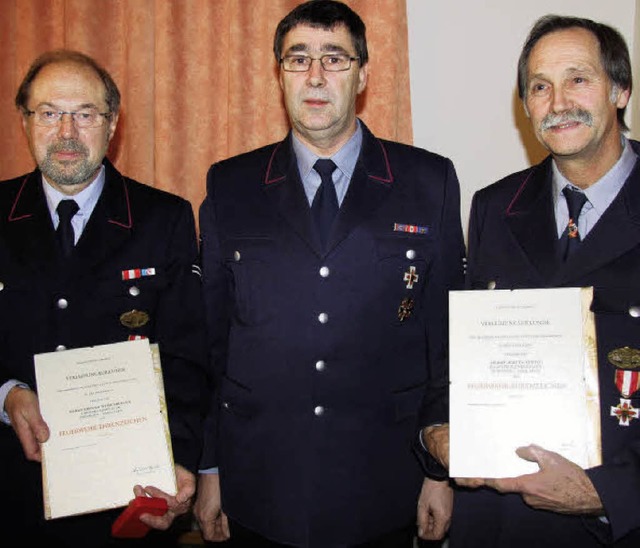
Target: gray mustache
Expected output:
[70,145]
[577,115]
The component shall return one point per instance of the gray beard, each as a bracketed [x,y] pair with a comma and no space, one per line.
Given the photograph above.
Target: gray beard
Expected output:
[56,172]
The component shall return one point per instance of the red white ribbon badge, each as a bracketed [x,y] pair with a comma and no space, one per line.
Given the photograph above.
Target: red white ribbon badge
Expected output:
[627,382]
[135,273]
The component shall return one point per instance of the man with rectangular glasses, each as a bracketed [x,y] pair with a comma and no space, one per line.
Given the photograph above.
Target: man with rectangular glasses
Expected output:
[326,263]
[89,257]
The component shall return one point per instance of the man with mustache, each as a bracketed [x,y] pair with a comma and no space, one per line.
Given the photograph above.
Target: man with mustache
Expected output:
[572,221]
[85,251]
[326,263]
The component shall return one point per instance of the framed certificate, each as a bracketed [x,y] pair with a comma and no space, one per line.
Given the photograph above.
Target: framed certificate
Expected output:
[523,370]
[109,431]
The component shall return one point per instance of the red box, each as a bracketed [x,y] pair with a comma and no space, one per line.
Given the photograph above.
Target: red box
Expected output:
[128,524]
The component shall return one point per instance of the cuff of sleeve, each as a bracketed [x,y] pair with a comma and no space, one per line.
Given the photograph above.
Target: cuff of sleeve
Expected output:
[430,466]
[213,470]
[600,528]
[4,390]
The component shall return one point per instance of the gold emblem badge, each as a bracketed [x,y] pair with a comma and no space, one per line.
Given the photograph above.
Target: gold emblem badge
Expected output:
[625,357]
[134,318]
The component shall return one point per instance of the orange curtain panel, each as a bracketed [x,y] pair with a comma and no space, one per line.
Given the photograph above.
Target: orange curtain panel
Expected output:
[198,78]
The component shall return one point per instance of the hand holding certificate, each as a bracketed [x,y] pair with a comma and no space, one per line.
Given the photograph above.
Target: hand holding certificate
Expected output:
[523,371]
[107,416]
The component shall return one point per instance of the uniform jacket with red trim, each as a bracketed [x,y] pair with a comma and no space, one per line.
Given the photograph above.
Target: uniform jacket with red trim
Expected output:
[132,226]
[321,385]
[513,242]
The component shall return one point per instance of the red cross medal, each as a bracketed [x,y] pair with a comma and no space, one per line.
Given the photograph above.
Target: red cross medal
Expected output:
[411,277]
[627,382]
[624,411]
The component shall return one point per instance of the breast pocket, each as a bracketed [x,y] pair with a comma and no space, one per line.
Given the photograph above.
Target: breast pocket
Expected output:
[403,268]
[253,265]
[130,304]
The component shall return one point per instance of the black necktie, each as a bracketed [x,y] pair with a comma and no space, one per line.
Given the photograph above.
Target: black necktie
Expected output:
[575,201]
[66,210]
[325,203]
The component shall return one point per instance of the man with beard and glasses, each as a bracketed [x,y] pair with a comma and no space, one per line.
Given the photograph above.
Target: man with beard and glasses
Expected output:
[326,259]
[89,257]
[573,220]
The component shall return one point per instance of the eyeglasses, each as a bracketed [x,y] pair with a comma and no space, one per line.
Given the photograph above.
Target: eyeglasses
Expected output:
[332,62]
[84,118]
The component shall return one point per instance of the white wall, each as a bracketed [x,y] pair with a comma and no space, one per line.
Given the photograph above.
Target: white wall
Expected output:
[463,57]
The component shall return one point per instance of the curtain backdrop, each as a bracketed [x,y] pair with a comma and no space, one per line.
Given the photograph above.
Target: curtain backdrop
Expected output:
[197,77]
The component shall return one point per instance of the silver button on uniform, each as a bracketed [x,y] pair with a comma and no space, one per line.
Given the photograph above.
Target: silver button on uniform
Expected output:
[236,255]
[319,410]
[491,284]
[320,365]
[634,311]
[323,317]
[411,254]
[134,291]
[62,303]
[60,348]
[324,271]
[1,286]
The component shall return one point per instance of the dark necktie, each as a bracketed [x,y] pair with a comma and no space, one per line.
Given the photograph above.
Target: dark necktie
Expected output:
[66,210]
[325,203]
[575,202]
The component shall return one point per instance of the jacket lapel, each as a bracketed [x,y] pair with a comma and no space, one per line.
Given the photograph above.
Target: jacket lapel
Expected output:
[371,181]
[110,224]
[282,185]
[370,185]
[531,219]
[29,228]
[615,233]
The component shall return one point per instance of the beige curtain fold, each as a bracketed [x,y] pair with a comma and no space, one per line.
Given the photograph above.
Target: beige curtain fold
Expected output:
[198,78]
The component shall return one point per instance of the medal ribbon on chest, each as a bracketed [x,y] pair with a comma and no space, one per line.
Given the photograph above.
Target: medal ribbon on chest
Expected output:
[627,382]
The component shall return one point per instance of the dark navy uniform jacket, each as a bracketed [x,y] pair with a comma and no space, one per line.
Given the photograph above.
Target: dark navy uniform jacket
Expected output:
[47,304]
[513,242]
[323,375]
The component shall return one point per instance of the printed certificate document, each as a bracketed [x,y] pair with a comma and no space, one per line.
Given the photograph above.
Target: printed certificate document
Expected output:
[523,369]
[107,415]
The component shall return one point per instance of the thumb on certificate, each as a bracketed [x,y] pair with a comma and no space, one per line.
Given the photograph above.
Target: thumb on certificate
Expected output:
[535,453]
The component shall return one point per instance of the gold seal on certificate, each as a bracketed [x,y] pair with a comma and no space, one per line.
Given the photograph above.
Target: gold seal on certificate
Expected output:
[523,370]
[107,417]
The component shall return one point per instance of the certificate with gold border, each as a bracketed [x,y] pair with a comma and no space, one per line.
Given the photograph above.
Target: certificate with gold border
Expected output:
[107,416]
[523,370]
